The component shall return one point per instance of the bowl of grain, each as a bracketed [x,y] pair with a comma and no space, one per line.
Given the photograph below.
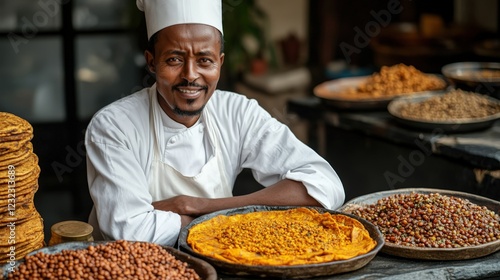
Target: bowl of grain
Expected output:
[453,111]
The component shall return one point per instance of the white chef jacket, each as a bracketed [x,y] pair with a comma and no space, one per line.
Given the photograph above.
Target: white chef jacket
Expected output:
[119,145]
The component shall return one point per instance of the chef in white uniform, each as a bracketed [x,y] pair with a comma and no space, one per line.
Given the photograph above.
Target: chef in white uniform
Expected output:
[164,155]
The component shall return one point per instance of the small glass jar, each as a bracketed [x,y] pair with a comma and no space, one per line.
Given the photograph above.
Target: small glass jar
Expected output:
[70,231]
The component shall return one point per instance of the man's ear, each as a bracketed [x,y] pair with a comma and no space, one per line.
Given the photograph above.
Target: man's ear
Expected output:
[222,55]
[150,61]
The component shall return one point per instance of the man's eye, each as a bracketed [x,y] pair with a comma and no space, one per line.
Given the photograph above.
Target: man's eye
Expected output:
[205,60]
[173,60]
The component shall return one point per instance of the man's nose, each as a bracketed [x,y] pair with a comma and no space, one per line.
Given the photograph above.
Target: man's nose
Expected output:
[190,71]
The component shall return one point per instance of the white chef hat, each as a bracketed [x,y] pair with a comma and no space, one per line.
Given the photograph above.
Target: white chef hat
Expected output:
[163,13]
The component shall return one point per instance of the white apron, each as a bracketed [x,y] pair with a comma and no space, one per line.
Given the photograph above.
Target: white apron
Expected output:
[166,182]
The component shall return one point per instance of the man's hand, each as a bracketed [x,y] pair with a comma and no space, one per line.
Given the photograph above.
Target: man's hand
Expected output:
[285,192]
[185,220]
[183,205]
[188,207]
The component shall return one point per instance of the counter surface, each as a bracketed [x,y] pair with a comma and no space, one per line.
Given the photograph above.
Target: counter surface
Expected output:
[479,148]
[388,267]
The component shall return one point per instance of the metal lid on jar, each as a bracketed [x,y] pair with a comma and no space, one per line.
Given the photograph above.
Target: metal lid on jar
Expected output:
[74,230]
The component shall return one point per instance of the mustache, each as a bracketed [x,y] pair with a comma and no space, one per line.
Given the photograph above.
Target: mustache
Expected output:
[189,84]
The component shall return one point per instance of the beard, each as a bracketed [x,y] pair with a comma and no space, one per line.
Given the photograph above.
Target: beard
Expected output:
[186,113]
[180,112]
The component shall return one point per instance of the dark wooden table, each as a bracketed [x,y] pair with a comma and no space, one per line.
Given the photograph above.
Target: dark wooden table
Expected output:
[372,142]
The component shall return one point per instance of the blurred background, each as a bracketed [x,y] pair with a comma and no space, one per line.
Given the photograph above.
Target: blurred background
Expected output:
[64,60]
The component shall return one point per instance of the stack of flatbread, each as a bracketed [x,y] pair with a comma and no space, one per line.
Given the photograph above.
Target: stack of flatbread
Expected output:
[21,226]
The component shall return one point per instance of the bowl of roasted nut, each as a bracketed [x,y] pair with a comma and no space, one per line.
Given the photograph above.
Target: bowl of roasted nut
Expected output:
[453,111]
[481,77]
[286,242]
[109,260]
[431,224]
[375,91]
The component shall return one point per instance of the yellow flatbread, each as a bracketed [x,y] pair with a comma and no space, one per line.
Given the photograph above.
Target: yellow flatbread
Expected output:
[21,226]
[286,237]
[17,156]
[13,145]
[20,172]
[12,125]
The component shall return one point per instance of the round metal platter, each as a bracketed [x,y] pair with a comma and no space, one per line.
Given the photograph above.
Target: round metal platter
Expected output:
[330,93]
[202,268]
[441,254]
[451,126]
[291,271]
[488,48]
[469,76]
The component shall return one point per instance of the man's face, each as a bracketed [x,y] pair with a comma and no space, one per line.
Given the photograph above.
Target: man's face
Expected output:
[187,62]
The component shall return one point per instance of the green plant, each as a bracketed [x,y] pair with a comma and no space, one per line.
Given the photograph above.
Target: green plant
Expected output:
[245,37]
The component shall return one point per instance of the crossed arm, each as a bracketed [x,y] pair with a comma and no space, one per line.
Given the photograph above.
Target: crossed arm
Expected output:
[284,192]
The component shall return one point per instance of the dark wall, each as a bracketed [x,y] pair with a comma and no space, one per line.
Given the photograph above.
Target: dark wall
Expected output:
[335,21]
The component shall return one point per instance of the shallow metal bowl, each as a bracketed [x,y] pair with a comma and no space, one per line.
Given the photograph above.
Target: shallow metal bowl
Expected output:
[290,271]
[441,254]
[448,126]
[467,76]
[202,268]
[331,94]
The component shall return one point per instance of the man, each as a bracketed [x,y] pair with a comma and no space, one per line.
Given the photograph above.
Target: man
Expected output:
[167,154]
